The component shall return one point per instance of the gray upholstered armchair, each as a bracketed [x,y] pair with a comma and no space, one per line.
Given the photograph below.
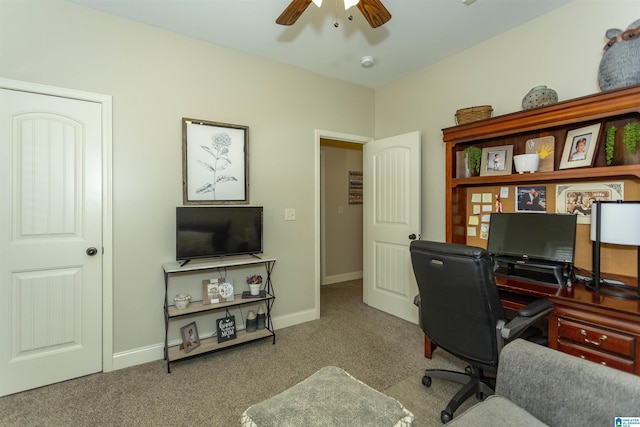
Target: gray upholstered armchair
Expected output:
[537,386]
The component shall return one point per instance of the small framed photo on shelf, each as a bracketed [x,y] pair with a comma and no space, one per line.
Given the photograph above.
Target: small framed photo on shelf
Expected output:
[496,160]
[190,338]
[210,291]
[579,147]
[217,290]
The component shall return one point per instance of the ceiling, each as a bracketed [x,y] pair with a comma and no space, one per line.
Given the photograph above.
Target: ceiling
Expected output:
[420,33]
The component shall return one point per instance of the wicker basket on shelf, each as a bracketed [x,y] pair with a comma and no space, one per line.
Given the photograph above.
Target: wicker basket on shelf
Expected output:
[473,114]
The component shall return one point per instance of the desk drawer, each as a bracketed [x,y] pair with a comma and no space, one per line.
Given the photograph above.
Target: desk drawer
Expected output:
[596,337]
[622,364]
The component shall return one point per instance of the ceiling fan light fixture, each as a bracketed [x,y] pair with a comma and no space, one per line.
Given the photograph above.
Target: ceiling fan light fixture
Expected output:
[350,3]
[317,2]
[468,2]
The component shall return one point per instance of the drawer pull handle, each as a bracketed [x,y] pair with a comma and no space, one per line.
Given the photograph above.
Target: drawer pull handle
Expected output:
[601,338]
[582,356]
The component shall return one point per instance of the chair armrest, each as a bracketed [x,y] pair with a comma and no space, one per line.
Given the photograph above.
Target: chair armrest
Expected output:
[525,318]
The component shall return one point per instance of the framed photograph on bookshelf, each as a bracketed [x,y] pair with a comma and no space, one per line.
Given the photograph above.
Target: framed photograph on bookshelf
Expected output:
[496,160]
[579,147]
[190,338]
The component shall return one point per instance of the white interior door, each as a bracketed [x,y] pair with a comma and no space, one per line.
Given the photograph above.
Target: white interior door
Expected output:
[50,218]
[391,215]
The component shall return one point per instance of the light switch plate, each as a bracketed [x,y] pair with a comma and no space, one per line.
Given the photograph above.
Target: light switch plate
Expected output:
[289,214]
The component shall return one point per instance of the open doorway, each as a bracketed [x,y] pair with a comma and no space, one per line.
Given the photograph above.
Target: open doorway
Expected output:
[337,145]
[341,215]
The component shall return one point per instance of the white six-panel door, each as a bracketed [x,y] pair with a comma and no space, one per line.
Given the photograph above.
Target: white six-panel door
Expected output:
[50,218]
[391,215]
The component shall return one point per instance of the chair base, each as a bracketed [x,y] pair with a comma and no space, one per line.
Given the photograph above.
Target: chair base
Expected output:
[473,380]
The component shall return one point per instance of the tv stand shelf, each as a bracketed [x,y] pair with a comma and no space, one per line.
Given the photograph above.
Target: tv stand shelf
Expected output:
[207,345]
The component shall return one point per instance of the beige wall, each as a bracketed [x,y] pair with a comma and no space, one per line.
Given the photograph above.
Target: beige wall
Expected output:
[156,78]
[342,227]
[561,50]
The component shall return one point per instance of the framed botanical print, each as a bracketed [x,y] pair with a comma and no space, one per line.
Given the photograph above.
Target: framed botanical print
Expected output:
[215,162]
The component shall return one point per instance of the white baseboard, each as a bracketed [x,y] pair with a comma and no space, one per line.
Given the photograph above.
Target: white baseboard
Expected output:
[337,278]
[155,352]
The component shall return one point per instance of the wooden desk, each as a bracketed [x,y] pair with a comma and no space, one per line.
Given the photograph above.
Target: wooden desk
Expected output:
[600,328]
[596,327]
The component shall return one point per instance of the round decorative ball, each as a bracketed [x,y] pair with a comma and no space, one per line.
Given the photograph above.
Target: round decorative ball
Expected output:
[539,96]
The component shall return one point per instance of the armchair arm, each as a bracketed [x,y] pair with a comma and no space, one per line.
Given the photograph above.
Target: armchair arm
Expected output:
[526,316]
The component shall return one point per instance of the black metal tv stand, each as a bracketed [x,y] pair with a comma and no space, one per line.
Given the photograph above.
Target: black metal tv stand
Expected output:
[547,272]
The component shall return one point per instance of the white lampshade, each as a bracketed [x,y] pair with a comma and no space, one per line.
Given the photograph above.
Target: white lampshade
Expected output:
[317,2]
[620,223]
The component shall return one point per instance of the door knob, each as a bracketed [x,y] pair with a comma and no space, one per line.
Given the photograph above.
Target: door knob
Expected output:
[412,236]
[92,251]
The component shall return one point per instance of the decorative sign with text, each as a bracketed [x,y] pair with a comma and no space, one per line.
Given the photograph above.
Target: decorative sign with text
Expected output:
[226,328]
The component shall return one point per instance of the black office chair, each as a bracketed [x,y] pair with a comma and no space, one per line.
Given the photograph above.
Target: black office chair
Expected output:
[460,311]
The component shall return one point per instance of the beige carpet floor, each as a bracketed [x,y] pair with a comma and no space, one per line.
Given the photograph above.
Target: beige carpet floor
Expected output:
[381,350]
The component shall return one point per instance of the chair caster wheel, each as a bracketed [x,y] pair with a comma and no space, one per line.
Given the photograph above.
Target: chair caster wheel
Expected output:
[445,417]
[426,381]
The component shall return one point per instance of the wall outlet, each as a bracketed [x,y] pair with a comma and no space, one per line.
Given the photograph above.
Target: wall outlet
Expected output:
[289,214]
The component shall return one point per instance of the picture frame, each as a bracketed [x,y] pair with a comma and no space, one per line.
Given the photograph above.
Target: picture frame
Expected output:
[544,146]
[496,160]
[531,198]
[579,147]
[215,162]
[190,337]
[355,187]
[577,199]
[226,329]
[210,291]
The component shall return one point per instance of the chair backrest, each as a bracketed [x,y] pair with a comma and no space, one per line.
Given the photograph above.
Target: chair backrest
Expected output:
[459,302]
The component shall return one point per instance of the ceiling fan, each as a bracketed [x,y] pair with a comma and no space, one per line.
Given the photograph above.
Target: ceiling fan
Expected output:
[373,10]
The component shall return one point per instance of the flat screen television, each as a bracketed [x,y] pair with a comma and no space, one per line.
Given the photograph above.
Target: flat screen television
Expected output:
[216,231]
[533,236]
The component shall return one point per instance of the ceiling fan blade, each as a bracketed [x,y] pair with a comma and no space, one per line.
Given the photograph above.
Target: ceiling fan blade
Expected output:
[291,14]
[374,12]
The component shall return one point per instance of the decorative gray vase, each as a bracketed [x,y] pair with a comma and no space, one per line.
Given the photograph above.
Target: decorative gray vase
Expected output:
[620,63]
[539,96]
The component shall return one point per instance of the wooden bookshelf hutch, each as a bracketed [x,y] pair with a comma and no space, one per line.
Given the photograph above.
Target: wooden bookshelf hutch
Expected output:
[600,328]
